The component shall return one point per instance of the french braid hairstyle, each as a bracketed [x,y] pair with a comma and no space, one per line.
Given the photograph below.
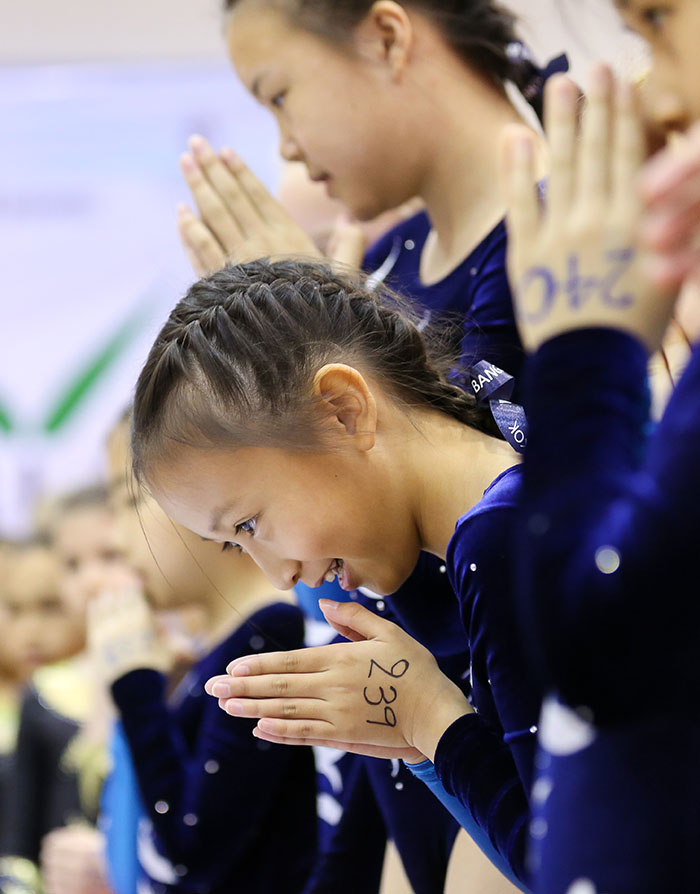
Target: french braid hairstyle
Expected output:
[481,32]
[234,364]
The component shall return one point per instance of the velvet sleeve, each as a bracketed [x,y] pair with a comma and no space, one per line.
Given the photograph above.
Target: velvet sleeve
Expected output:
[206,799]
[426,772]
[609,533]
[482,569]
[476,767]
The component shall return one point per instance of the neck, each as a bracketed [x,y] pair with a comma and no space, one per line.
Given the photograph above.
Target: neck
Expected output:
[452,465]
[464,171]
[237,594]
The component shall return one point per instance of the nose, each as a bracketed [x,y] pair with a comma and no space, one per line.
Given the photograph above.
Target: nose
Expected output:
[663,108]
[283,574]
[289,148]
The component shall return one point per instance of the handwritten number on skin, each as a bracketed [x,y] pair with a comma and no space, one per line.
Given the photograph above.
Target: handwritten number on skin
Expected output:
[578,289]
[621,259]
[402,663]
[382,697]
[398,669]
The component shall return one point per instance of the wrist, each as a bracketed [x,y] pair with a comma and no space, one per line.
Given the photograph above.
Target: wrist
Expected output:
[442,714]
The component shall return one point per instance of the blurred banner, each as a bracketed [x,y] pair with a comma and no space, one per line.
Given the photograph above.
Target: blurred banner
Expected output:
[90,259]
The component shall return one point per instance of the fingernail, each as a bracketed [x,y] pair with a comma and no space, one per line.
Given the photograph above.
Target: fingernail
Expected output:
[198,145]
[182,210]
[234,708]
[187,163]
[327,604]
[221,690]
[266,725]
[229,156]
[240,670]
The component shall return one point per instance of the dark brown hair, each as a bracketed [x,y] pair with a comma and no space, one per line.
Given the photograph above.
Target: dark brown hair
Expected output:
[234,364]
[482,32]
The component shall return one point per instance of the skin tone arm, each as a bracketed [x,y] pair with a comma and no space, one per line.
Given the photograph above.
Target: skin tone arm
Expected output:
[578,263]
[381,694]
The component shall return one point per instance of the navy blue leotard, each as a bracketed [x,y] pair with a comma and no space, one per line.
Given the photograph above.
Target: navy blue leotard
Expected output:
[609,608]
[225,811]
[473,304]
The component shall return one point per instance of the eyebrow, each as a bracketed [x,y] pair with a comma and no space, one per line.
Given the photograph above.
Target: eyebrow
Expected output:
[257,81]
[216,516]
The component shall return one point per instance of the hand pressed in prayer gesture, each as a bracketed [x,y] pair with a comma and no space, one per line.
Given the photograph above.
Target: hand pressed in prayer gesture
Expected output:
[239,220]
[575,261]
[382,694]
[122,634]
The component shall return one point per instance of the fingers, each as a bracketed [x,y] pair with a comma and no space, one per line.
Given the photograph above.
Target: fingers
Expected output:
[666,177]
[520,189]
[672,229]
[385,752]
[267,686]
[203,250]
[561,125]
[299,732]
[628,154]
[232,185]
[347,243]
[293,662]
[212,207]
[594,172]
[283,708]
[354,621]
[266,207]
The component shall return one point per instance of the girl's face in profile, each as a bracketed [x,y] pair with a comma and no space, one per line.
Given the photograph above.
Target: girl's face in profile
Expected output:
[672,30]
[340,110]
[300,516]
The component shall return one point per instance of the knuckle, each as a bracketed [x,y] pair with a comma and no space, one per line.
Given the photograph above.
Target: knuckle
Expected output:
[289,710]
[291,662]
[280,685]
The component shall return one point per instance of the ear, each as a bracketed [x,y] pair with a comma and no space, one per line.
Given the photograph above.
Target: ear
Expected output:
[386,35]
[347,399]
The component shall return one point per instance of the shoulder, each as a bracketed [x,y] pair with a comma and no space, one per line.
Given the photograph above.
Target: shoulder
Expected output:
[409,234]
[482,537]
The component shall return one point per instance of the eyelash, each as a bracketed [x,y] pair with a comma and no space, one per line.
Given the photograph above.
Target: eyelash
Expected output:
[655,17]
[225,547]
[278,99]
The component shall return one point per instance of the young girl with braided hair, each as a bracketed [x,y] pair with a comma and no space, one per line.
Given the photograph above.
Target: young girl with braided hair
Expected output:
[286,411]
[383,101]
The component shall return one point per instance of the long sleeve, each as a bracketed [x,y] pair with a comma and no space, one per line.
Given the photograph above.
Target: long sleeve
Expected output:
[477,768]
[610,527]
[190,782]
[427,773]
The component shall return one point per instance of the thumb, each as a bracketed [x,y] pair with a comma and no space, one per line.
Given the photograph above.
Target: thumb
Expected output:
[347,243]
[353,621]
